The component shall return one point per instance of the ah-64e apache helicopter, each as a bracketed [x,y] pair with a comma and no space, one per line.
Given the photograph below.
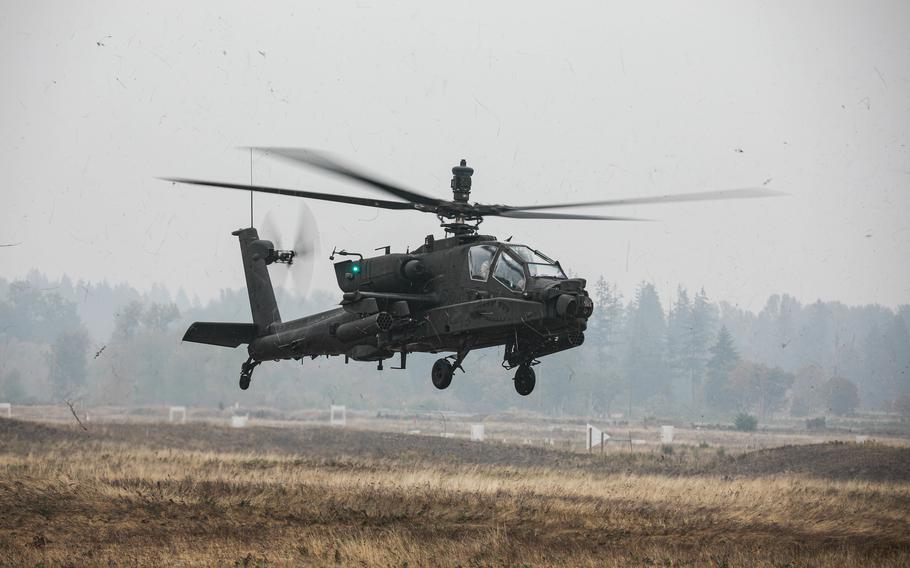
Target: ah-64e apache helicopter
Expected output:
[456,294]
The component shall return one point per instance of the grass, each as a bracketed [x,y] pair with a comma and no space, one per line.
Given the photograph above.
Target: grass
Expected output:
[93,500]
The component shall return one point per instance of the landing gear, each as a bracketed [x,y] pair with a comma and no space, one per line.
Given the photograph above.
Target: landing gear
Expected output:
[246,372]
[443,370]
[525,379]
[442,373]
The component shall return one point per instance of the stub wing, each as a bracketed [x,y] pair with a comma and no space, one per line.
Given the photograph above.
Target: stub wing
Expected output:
[218,333]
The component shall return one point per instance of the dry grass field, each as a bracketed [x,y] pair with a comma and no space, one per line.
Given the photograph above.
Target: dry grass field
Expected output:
[203,494]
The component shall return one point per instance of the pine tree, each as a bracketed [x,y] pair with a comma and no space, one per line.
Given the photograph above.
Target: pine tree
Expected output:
[697,340]
[608,313]
[679,326]
[645,340]
[605,383]
[716,392]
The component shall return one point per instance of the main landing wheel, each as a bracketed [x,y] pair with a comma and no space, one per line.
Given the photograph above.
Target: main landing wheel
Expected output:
[525,380]
[442,373]
[245,380]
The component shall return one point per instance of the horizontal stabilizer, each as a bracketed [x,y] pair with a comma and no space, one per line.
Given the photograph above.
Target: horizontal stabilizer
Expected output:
[223,334]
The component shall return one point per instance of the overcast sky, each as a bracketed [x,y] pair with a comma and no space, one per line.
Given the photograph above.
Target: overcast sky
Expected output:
[549,102]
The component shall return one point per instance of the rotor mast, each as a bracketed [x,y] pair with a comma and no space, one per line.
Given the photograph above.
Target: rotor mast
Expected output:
[461,192]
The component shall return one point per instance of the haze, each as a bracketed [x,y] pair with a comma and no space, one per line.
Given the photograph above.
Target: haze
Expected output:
[548,104]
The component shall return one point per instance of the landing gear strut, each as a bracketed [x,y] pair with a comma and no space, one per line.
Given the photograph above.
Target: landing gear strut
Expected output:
[525,379]
[246,373]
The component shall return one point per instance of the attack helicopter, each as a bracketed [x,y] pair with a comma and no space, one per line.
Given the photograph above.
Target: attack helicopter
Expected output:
[457,294]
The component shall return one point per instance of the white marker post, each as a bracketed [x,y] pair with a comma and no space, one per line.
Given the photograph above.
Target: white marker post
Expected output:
[595,437]
[666,434]
[175,410]
[477,433]
[337,415]
[8,407]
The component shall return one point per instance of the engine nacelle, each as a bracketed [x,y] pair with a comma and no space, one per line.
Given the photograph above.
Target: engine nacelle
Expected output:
[387,273]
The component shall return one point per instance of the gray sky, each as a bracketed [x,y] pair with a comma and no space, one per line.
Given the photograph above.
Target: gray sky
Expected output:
[574,101]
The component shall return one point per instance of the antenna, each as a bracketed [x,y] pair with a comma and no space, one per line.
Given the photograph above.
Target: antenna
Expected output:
[251,187]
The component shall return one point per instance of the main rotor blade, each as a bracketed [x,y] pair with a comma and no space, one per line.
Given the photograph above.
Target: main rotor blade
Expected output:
[367,202]
[325,163]
[546,215]
[744,193]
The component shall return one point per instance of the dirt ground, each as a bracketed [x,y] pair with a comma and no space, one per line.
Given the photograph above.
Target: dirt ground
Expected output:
[332,446]
[206,494]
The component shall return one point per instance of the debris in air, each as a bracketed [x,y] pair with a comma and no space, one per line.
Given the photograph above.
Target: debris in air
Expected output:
[76,416]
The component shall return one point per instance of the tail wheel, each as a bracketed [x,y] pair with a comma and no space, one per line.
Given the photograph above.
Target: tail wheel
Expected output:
[442,373]
[525,379]
[246,372]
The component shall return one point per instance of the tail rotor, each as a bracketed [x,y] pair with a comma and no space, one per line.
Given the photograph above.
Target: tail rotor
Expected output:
[298,270]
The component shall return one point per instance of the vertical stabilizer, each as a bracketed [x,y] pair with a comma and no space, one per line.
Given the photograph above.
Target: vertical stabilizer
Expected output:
[258,284]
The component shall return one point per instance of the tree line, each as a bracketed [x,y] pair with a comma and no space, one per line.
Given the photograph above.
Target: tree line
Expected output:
[695,357]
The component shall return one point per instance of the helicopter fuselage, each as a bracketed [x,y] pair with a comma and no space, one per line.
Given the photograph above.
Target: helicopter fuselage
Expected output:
[450,295]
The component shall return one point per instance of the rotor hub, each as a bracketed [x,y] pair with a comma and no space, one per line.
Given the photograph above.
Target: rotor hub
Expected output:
[461,182]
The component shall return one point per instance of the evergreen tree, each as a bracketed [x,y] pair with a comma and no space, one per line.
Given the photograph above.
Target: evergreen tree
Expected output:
[697,341]
[645,341]
[605,383]
[679,326]
[607,311]
[716,392]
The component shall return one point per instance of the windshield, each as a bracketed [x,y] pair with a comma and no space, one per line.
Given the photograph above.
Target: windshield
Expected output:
[538,263]
[479,259]
[508,271]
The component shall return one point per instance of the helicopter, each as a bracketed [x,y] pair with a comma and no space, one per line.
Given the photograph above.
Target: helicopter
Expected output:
[457,294]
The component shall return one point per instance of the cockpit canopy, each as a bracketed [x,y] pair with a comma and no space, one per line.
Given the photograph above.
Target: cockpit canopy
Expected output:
[538,263]
[511,265]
